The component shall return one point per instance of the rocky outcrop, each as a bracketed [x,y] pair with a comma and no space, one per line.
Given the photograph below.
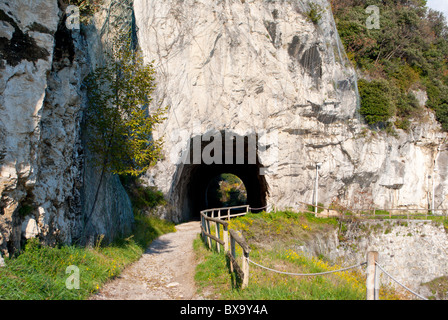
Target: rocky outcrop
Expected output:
[413,252]
[26,62]
[264,68]
[44,164]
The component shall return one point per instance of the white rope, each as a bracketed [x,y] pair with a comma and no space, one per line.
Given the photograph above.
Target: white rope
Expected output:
[421,297]
[307,274]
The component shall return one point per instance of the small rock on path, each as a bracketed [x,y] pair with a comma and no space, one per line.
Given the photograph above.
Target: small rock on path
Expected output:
[164,272]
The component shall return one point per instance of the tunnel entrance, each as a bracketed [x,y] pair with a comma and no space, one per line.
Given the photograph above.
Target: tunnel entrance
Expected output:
[232,155]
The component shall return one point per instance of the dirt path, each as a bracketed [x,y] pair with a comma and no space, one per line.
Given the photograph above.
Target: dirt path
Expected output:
[164,272]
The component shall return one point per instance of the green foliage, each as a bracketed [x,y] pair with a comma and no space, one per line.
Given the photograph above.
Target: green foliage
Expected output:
[438,100]
[376,103]
[226,190]
[119,118]
[409,51]
[86,7]
[142,197]
[314,14]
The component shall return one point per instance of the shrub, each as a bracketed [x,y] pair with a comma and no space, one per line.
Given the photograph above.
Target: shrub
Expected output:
[376,102]
[142,197]
[314,14]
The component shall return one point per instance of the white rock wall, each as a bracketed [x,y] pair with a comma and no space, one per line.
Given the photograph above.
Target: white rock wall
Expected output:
[413,252]
[25,64]
[261,66]
[46,179]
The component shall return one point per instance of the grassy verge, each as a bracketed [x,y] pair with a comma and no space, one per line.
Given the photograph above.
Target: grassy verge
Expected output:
[40,272]
[272,238]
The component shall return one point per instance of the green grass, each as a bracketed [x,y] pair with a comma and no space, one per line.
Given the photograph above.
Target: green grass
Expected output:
[285,227]
[39,272]
[438,287]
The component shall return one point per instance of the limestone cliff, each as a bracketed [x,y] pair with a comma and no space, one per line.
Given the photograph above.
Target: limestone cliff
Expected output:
[247,68]
[46,178]
[265,68]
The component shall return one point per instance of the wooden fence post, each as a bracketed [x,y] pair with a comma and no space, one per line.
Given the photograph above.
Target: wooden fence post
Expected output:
[203,226]
[225,235]
[207,222]
[218,236]
[232,252]
[245,268]
[372,282]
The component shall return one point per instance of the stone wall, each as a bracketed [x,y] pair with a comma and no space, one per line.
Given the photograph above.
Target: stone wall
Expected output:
[46,176]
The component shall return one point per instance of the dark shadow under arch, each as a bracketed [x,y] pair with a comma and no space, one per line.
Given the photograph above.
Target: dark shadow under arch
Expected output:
[192,179]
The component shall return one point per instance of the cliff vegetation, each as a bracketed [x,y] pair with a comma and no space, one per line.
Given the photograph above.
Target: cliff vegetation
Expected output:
[407,54]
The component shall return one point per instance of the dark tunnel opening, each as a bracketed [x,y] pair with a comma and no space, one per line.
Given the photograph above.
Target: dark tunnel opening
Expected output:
[236,155]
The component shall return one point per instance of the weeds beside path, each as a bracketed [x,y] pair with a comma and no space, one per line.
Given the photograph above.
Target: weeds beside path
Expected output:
[164,272]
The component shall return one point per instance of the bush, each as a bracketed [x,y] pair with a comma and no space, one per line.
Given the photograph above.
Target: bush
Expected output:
[442,115]
[315,13]
[142,197]
[376,102]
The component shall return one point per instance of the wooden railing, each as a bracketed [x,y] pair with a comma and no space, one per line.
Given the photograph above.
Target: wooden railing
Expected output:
[227,239]
[224,213]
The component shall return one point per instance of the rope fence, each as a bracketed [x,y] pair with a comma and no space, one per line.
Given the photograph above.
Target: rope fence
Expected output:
[402,285]
[373,213]
[374,289]
[308,274]
[230,238]
[256,209]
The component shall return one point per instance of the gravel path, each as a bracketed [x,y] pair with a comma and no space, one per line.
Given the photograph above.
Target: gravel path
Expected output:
[164,272]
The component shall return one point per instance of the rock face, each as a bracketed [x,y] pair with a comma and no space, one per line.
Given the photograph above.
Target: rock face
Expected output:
[271,89]
[262,68]
[43,164]
[413,252]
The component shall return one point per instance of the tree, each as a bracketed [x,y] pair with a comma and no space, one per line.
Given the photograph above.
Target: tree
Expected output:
[119,118]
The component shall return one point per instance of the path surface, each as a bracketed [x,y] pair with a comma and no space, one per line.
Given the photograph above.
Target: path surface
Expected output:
[164,272]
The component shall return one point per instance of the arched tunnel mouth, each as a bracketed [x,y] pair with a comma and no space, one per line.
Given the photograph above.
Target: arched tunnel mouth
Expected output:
[220,154]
